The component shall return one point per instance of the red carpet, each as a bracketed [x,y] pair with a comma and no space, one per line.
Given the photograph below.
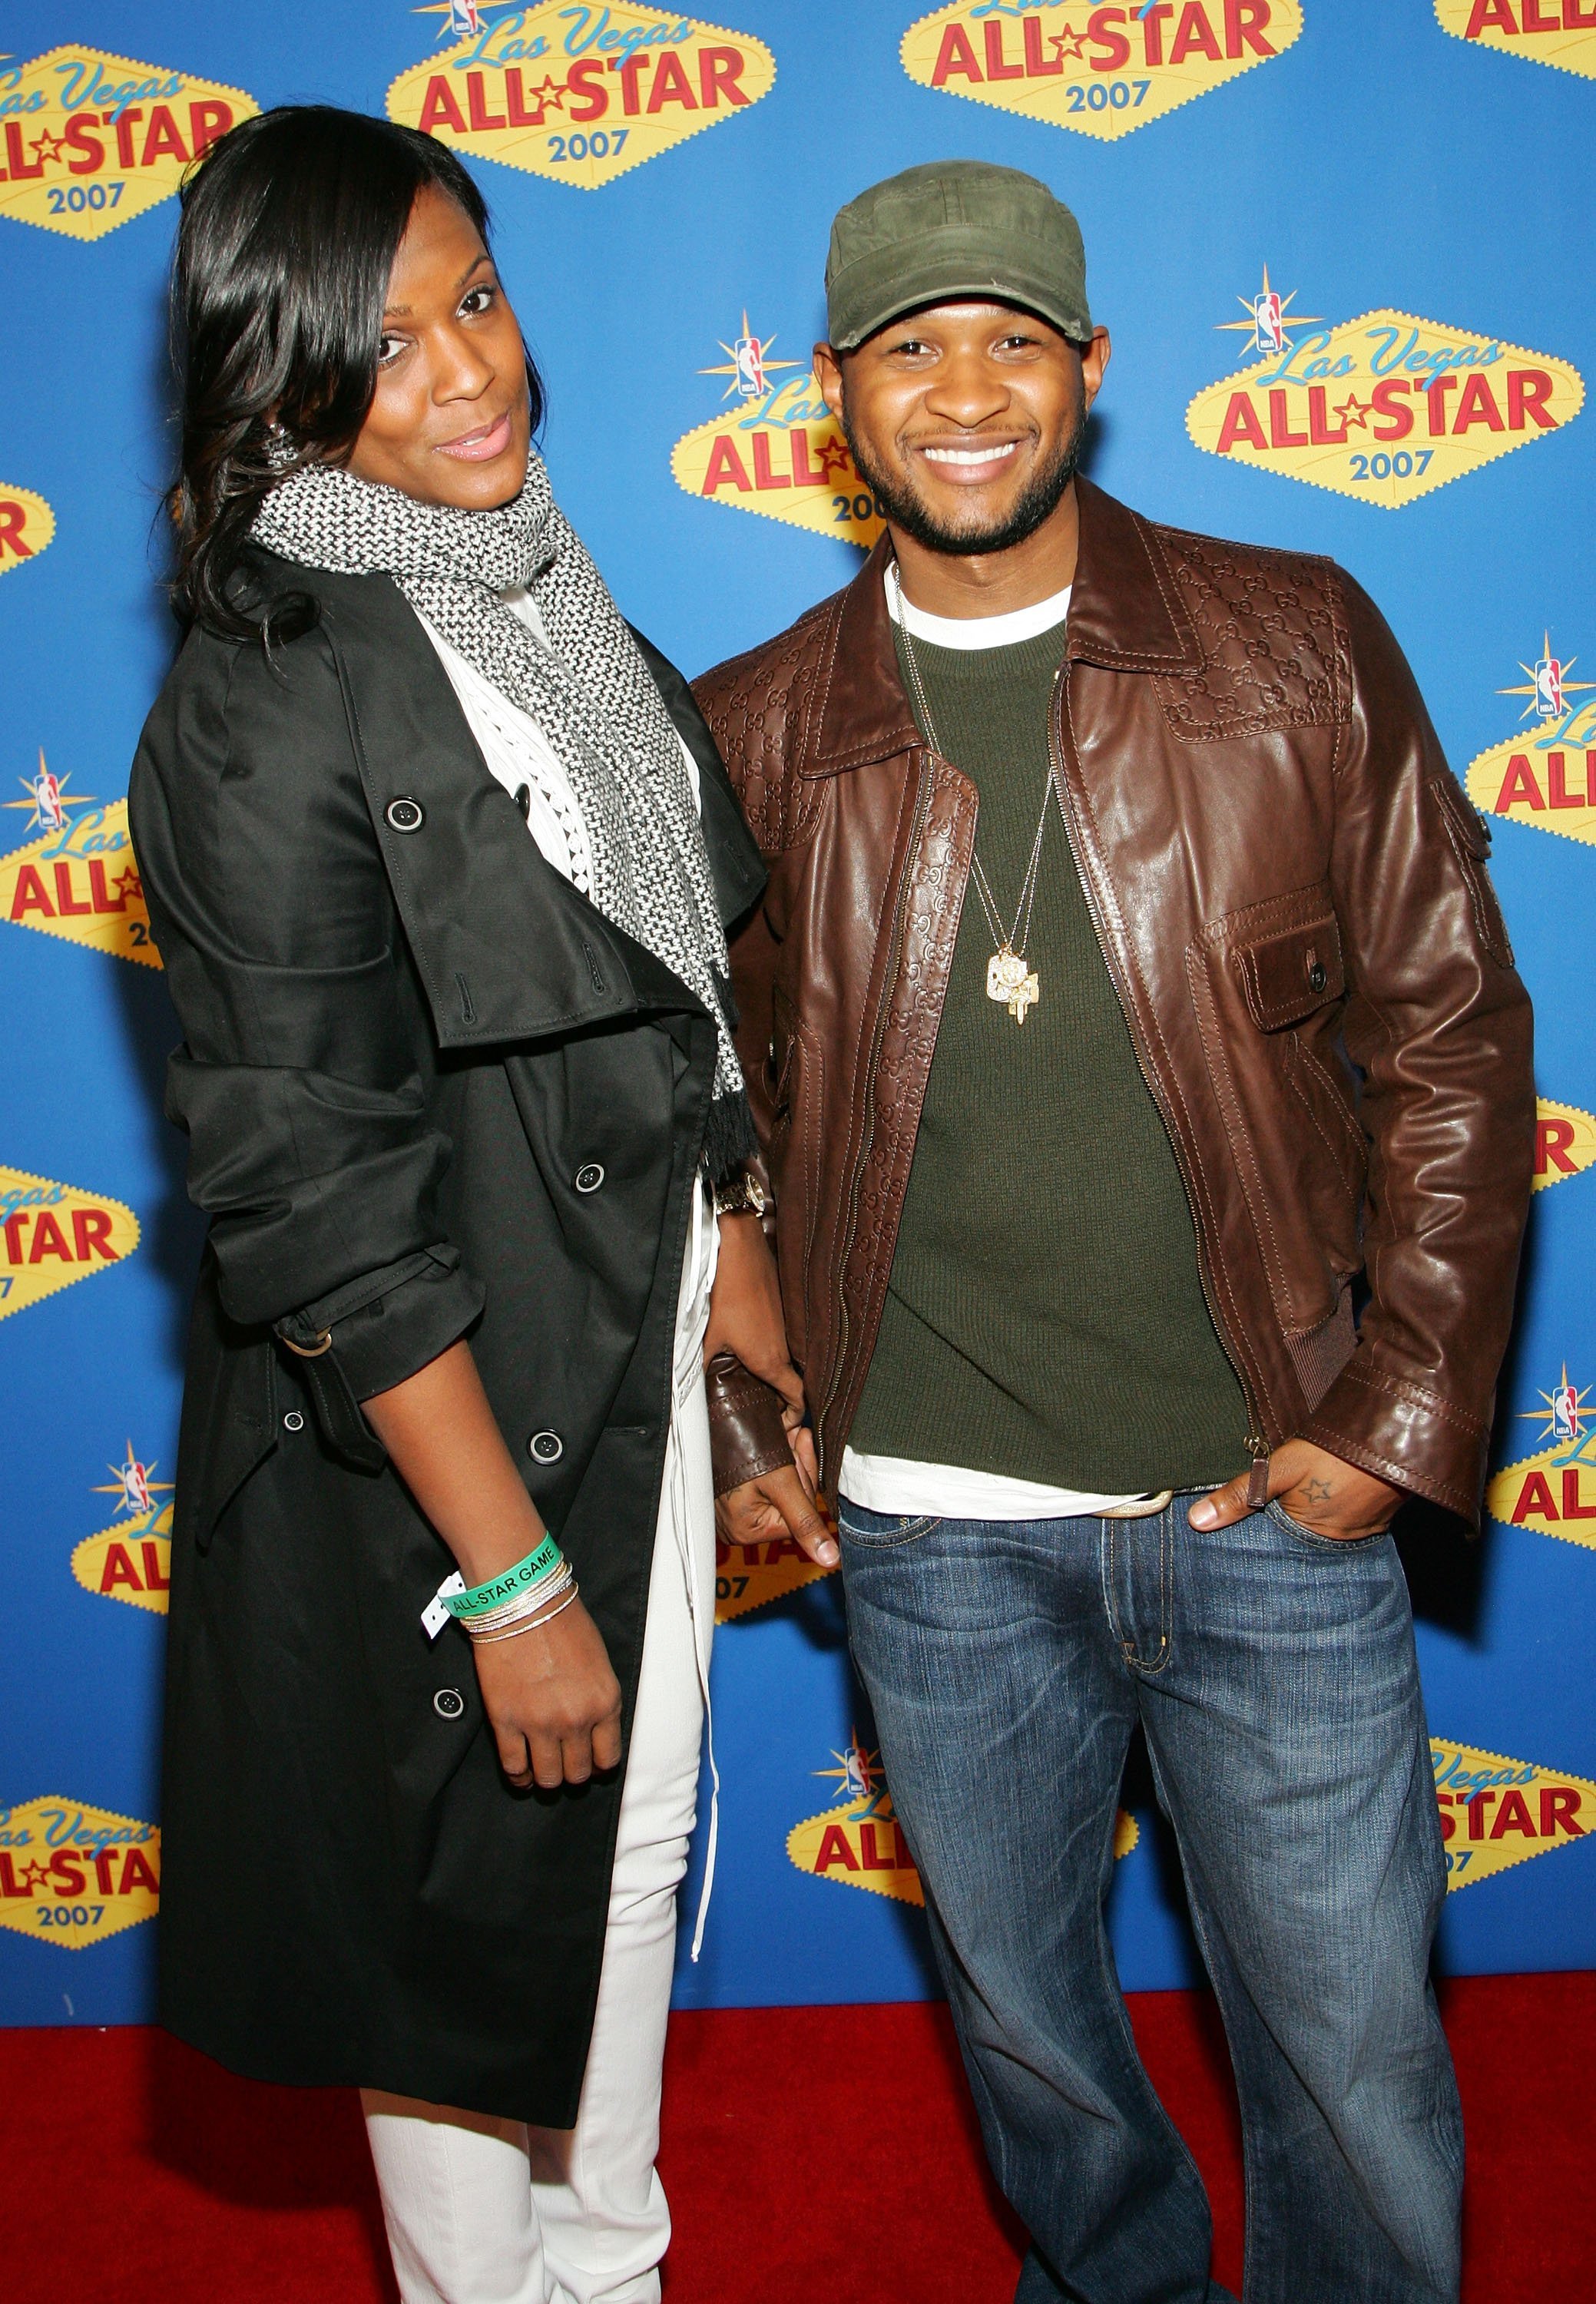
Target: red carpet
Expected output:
[814,2156]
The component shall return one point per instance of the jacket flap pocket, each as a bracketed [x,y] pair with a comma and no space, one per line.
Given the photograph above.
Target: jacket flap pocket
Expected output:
[1287,977]
[1464,821]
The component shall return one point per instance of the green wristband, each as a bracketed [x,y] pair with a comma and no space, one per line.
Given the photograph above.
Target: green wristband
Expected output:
[545,1562]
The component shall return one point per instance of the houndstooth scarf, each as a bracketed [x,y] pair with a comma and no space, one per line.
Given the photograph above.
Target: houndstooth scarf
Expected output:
[590,691]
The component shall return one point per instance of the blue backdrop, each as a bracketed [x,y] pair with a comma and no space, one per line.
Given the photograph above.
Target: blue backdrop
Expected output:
[1375,159]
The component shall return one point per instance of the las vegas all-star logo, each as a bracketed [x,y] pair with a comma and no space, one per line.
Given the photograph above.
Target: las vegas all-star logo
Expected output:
[131,1560]
[1553,1491]
[76,877]
[90,140]
[576,94]
[73,1875]
[862,1842]
[1559,32]
[776,449]
[1384,407]
[1497,1811]
[1544,774]
[53,1234]
[1101,70]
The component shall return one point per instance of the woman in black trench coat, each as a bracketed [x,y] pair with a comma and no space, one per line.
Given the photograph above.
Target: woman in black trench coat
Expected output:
[452,1093]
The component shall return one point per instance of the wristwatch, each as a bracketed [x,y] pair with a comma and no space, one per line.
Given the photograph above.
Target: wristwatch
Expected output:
[740,1196]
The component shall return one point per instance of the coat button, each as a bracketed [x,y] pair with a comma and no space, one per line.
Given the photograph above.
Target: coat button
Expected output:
[294,1422]
[590,1177]
[546,1447]
[1317,978]
[406,815]
[448,1704]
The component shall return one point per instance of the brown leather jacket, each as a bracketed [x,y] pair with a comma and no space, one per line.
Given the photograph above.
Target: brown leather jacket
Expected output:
[1291,895]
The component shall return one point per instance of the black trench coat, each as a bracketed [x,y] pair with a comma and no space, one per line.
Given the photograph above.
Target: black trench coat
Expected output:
[431,1091]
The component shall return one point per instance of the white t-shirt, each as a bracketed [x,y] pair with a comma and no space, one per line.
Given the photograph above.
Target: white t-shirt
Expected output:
[896,1485]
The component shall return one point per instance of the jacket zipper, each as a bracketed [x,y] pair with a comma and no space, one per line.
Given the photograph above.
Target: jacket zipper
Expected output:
[1257,1446]
[922,808]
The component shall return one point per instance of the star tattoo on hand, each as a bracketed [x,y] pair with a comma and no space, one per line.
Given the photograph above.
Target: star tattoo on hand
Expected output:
[1318,1492]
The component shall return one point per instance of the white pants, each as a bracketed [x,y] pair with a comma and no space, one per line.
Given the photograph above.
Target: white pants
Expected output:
[487,2211]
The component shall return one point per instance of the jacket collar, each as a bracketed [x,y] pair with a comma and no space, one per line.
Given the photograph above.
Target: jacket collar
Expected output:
[1124,615]
[1125,611]
[506,948]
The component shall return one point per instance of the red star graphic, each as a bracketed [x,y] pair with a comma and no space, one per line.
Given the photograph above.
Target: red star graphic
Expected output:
[550,91]
[130,885]
[1068,43]
[35,1876]
[1354,410]
[55,143]
[834,457]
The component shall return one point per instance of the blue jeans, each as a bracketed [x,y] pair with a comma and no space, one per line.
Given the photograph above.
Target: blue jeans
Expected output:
[1273,1674]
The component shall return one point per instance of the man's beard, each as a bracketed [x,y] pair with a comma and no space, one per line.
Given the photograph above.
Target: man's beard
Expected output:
[1036,502]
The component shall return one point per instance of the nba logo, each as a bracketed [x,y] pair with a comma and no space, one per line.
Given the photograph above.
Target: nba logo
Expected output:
[749,353]
[134,1478]
[1269,323]
[1548,688]
[48,812]
[1565,1413]
[465,16]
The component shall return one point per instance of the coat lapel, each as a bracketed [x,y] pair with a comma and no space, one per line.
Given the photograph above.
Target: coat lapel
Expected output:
[506,948]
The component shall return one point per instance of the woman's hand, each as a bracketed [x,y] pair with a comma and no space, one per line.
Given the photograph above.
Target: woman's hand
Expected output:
[745,1314]
[552,1701]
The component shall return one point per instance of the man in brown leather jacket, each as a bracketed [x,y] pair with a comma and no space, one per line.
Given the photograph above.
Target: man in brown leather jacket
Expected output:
[1146,1101]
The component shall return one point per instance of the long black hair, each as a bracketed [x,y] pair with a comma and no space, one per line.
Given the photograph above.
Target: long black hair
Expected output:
[290,227]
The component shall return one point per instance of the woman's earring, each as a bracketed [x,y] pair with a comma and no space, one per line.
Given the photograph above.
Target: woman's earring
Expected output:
[280,450]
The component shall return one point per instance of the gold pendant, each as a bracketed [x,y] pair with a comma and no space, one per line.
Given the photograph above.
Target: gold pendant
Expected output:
[1012,984]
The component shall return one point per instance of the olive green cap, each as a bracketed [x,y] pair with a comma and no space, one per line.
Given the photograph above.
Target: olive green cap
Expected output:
[954,228]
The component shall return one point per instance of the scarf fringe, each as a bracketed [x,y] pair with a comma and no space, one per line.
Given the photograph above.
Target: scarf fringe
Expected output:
[729,1141]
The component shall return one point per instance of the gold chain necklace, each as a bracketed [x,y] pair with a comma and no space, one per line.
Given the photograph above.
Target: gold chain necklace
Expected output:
[1011,980]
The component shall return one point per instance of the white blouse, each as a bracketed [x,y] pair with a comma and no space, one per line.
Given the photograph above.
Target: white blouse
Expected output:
[520,756]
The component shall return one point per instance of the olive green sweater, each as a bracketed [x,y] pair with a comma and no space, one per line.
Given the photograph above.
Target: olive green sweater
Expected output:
[1045,1316]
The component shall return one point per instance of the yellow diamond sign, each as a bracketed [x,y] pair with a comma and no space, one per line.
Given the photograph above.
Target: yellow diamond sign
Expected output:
[89,140]
[1549,782]
[1385,407]
[782,455]
[27,524]
[1564,1142]
[78,880]
[1557,32]
[751,1575]
[1496,1812]
[52,1234]
[580,95]
[1102,71]
[73,1875]
[131,1561]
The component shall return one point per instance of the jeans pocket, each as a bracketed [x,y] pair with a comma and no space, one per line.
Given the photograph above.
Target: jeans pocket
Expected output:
[1311,1536]
[878,1531]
